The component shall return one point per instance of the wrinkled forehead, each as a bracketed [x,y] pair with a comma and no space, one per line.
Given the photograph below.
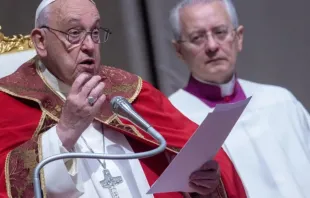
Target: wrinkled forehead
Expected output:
[85,13]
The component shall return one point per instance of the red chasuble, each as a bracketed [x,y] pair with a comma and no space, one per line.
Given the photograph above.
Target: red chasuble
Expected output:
[29,107]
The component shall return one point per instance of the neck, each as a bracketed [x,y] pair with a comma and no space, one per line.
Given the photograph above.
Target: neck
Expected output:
[60,87]
[226,89]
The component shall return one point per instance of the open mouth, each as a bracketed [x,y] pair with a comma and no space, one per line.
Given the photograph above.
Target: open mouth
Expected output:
[88,65]
[88,62]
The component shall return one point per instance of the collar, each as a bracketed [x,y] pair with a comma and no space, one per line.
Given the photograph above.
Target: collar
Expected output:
[57,85]
[211,91]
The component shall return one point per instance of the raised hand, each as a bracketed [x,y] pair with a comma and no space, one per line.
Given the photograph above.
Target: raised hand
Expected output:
[82,104]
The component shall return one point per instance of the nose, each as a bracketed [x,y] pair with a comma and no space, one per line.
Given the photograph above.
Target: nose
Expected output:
[212,45]
[88,45]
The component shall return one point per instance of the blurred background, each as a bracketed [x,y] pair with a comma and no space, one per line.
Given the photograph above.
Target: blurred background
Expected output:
[276,47]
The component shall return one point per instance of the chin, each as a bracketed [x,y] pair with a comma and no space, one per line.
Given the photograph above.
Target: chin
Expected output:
[218,69]
[219,75]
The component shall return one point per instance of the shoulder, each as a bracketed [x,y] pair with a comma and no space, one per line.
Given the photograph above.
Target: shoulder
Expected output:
[9,101]
[120,76]
[17,108]
[119,82]
[176,94]
[179,97]
[117,74]
[149,91]
[267,91]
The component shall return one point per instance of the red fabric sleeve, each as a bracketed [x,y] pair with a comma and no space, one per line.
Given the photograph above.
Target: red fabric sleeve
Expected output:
[17,125]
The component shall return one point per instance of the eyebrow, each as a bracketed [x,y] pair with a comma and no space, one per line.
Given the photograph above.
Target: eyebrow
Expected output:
[73,21]
[203,30]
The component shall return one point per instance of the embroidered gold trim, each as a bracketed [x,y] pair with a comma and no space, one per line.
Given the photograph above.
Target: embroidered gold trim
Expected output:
[130,100]
[7,175]
[32,99]
[136,94]
[142,137]
[135,130]
[225,193]
[15,43]
[42,177]
[36,133]
[39,127]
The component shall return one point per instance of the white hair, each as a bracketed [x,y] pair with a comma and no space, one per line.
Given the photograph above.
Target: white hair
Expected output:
[175,14]
[42,17]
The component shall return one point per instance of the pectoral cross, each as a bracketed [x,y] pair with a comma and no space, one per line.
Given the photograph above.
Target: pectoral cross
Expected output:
[110,182]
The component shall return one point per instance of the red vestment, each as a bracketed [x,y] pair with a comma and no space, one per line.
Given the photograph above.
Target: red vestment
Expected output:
[29,107]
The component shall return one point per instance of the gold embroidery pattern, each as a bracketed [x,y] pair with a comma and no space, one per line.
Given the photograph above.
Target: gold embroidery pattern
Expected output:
[41,122]
[117,83]
[48,123]
[133,130]
[42,177]
[7,178]
[31,99]
[175,149]
[22,162]
[125,127]
[221,193]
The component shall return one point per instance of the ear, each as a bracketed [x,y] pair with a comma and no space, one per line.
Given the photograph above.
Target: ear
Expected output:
[239,32]
[38,38]
[177,47]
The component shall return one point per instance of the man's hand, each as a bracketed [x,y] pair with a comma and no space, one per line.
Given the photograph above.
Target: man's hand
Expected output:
[77,113]
[205,180]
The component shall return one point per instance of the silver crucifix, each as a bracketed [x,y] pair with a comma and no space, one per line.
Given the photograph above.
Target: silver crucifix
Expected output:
[110,182]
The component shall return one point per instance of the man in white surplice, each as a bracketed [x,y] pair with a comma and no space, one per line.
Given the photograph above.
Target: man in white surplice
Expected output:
[270,144]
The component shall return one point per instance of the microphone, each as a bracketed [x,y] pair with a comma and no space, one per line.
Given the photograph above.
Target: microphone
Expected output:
[123,108]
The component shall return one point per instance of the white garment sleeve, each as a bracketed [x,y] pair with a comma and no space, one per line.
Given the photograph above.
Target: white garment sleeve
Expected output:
[61,178]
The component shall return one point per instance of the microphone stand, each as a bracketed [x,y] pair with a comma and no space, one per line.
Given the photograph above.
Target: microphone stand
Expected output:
[150,130]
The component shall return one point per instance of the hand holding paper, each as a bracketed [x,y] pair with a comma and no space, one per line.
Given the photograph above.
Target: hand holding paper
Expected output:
[202,147]
[206,179]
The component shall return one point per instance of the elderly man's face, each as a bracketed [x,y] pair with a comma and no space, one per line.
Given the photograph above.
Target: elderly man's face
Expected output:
[209,43]
[66,60]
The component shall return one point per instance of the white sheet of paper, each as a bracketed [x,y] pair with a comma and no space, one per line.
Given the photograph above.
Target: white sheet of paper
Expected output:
[201,147]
